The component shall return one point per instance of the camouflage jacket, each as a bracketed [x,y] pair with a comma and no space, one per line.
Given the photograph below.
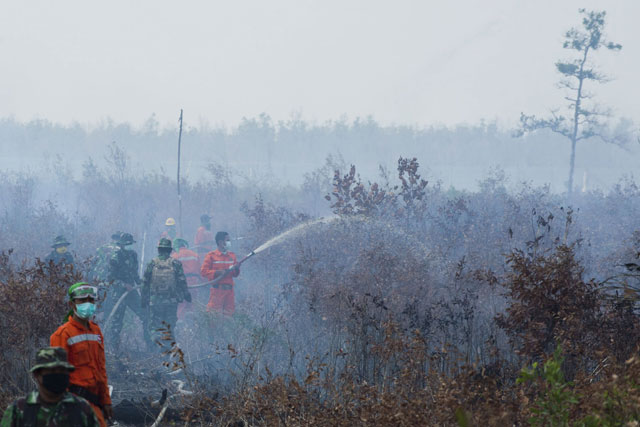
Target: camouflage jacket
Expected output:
[178,289]
[70,411]
[123,267]
[101,262]
[65,258]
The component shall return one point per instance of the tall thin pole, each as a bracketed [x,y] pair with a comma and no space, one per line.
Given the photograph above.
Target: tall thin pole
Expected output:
[178,180]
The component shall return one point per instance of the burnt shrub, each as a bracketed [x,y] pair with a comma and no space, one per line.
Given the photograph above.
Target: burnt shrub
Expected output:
[550,303]
[32,306]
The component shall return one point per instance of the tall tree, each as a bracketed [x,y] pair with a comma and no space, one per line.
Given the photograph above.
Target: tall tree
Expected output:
[581,119]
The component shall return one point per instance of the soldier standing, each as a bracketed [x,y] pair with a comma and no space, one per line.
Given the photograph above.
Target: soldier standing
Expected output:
[59,254]
[52,404]
[163,287]
[123,274]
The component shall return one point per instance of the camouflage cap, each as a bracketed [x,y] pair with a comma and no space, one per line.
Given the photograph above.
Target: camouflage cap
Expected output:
[126,239]
[82,290]
[179,243]
[164,243]
[60,241]
[52,357]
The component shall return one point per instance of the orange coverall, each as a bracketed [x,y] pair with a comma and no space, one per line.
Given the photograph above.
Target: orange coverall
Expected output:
[221,296]
[203,242]
[191,267]
[85,348]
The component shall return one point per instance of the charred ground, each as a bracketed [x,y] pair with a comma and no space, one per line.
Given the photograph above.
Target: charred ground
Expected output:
[415,305]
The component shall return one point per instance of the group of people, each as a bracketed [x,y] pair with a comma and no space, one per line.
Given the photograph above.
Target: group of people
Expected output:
[71,374]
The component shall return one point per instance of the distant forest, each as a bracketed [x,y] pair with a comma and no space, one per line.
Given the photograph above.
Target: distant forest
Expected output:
[283,152]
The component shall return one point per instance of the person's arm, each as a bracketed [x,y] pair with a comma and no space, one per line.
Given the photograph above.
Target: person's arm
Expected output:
[9,417]
[136,278]
[59,339]
[146,283]
[181,281]
[105,399]
[90,416]
[236,267]
[207,269]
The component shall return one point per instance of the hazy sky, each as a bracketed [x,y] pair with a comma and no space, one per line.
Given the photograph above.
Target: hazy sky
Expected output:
[416,62]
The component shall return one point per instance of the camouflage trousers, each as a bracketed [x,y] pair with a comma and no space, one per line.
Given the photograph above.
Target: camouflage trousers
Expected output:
[160,312]
[132,301]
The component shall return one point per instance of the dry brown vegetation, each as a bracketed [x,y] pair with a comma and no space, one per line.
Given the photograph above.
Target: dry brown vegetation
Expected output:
[415,306]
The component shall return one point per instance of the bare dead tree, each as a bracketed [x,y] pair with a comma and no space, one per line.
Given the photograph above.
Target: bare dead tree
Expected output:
[580,120]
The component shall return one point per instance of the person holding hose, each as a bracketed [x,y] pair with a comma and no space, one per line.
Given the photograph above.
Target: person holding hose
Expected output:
[83,341]
[218,263]
[123,274]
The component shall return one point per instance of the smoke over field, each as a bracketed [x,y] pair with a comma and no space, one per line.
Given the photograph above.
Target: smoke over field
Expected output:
[408,302]
[368,213]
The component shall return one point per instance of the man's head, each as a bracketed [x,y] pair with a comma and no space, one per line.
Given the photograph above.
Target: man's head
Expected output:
[223,241]
[205,221]
[115,237]
[170,225]
[60,244]
[164,246]
[179,243]
[51,371]
[82,300]
[125,239]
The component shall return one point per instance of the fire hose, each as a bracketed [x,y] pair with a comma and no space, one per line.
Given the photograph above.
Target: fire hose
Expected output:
[209,283]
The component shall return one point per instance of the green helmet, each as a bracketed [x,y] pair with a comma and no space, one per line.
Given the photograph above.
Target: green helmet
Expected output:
[164,243]
[52,357]
[179,243]
[60,241]
[126,239]
[82,290]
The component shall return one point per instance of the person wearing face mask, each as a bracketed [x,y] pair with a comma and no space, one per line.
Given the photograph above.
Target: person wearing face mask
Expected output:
[51,404]
[83,341]
[60,254]
[218,263]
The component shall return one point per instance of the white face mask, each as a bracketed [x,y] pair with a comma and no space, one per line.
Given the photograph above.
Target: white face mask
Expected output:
[227,244]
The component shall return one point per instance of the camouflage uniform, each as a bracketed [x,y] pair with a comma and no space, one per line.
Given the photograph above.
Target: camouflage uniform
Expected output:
[123,270]
[65,258]
[100,268]
[30,411]
[57,258]
[163,287]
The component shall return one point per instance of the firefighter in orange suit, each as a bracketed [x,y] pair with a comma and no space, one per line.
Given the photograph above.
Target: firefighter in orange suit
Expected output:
[191,268]
[203,242]
[83,341]
[217,263]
